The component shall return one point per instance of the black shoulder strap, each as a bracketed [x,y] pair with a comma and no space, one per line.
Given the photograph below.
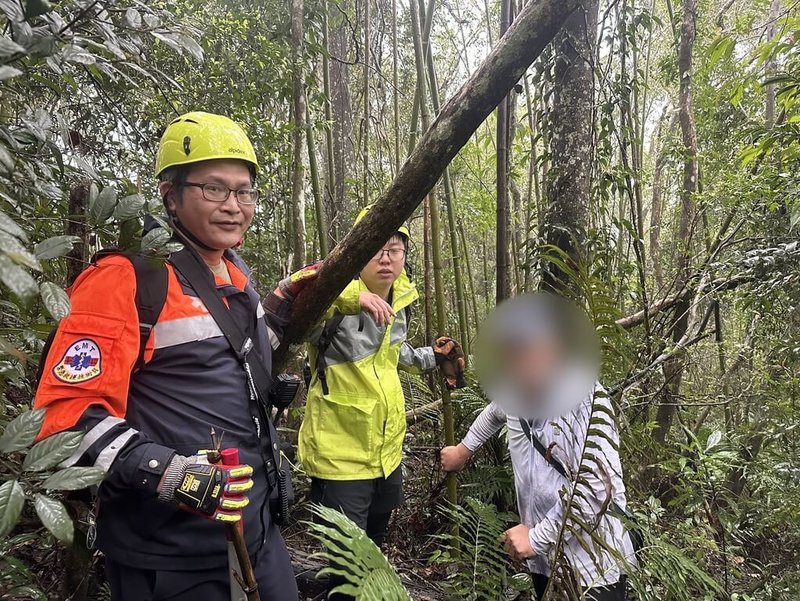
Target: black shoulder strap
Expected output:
[614,507]
[537,444]
[151,295]
[324,341]
[201,280]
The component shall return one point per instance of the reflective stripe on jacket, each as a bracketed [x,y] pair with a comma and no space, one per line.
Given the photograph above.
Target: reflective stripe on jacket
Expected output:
[356,431]
[135,422]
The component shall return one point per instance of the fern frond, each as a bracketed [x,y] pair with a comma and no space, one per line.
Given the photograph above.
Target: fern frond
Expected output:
[353,556]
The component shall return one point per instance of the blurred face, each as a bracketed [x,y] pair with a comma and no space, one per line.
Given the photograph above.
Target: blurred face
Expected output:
[385,267]
[219,225]
[532,366]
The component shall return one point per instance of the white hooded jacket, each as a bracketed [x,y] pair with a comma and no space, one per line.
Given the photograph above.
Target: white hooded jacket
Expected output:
[589,431]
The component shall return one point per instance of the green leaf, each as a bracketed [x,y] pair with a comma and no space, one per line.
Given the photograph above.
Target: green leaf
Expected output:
[54,516]
[128,207]
[16,278]
[10,226]
[9,47]
[21,432]
[55,300]
[74,478]
[76,54]
[37,8]
[12,498]
[103,206]
[133,18]
[7,72]
[55,246]
[12,10]
[52,451]
[154,240]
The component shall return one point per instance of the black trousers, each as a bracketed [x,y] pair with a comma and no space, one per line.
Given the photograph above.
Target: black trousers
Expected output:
[612,592]
[368,503]
[271,565]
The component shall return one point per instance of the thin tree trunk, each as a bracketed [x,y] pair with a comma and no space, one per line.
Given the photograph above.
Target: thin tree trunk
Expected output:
[470,276]
[532,31]
[449,194]
[298,136]
[316,187]
[769,68]
[436,254]
[571,143]
[657,200]
[673,369]
[503,285]
[330,170]
[76,225]
[342,124]
[395,91]
[365,198]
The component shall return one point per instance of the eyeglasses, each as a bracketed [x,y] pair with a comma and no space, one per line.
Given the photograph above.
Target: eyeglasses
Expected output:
[394,254]
[221,193]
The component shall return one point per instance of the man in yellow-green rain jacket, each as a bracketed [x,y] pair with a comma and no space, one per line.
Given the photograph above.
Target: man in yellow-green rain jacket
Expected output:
[351,439]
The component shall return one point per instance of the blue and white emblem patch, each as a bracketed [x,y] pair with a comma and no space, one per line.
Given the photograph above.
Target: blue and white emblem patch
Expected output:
[81,362]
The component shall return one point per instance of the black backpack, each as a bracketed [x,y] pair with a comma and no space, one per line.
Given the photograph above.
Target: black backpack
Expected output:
[151,294]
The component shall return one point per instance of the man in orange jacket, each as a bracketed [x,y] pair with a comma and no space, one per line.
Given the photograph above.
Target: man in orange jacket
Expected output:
[148,411]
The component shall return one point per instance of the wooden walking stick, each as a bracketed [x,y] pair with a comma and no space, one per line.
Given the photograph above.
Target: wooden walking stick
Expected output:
[244,587]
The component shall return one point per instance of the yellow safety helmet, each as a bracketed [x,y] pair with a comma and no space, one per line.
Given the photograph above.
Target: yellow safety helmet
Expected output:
[403,229]
[199,136]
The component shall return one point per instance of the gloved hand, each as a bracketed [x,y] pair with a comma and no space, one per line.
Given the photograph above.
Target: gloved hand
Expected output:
[292,286]
[212,491]
[450,359]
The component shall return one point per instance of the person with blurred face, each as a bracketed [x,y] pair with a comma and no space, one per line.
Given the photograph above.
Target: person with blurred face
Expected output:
[351,439]
[537,361]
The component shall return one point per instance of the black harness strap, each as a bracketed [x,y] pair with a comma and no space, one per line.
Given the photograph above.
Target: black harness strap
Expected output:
[323,344]
[259,379]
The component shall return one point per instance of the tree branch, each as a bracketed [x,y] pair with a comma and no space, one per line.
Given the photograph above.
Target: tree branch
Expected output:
[535,27]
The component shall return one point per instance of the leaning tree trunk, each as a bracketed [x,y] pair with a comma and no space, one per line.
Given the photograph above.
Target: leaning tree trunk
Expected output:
[673,369]
[534,28]
[566,217]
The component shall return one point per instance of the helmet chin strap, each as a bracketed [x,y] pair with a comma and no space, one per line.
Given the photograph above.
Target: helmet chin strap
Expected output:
[184,232]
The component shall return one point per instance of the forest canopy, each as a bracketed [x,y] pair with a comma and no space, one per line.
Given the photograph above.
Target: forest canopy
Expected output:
[643,166]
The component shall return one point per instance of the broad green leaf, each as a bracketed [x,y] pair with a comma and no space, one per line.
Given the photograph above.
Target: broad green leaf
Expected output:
[55,300]
[21,432]
[55,246]
[54,516]
[16,278]
[103,206]
[26,591]
[12,10]
[52,451]
[76,54]
[9,47]
[128,207]
[10,226]
[37,8]
[133,18]
[12,498]
[74,478]
[154,240]
[15,251]
[7,72]
[713,440]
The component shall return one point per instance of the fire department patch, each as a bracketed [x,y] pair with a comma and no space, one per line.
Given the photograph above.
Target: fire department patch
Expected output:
[80,363]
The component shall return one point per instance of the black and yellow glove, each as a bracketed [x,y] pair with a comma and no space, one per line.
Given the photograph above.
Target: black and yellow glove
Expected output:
[214,492]
[294,284]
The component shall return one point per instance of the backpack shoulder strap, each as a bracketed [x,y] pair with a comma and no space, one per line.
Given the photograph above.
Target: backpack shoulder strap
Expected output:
[152,280]
[151,295]
[324,341]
